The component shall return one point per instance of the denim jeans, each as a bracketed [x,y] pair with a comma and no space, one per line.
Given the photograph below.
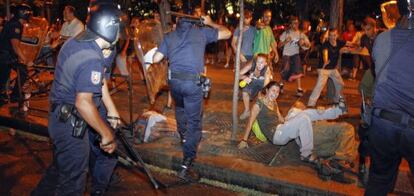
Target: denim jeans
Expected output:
[389,142]
[188,97]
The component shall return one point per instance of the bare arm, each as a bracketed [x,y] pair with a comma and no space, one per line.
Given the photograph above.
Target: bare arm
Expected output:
[246,68]
[223,32]
[274,48]
[87,109]
[109,104]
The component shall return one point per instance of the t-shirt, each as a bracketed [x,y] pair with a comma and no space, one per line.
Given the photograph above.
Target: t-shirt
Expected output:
[248,39]
[186,55]
[333,54]
[12,30]
[72,28]
[263,40]
[292,48]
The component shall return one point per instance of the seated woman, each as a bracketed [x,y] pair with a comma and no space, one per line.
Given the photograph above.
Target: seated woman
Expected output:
[297,125]
[255,75]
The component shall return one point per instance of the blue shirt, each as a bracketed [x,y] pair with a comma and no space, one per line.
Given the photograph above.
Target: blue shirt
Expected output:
[189,56]
[79,68]
[247,41]
[394,88]
[12,30]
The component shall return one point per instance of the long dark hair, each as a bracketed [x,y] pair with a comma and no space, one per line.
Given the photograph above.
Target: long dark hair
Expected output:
[268,86]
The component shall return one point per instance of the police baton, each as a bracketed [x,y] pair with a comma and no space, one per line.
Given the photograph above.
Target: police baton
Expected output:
[135,157]
[187,17]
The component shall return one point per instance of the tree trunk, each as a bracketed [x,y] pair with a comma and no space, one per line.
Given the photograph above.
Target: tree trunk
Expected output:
[337,14]
[164,7]
[236,75]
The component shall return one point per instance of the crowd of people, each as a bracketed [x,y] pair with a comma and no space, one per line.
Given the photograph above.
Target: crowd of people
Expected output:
[85,60]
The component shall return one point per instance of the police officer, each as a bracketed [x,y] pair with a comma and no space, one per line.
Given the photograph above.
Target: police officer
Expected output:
[11,55]
[391,135]
[184,48]
[102,164]
[78,89]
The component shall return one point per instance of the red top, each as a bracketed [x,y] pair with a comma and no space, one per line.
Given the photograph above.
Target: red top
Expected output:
[348,36]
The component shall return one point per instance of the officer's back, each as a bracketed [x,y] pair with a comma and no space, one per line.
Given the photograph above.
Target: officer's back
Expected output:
[185,47]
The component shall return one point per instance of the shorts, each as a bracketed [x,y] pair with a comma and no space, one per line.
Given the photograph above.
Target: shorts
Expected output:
[254,88]
[292,67]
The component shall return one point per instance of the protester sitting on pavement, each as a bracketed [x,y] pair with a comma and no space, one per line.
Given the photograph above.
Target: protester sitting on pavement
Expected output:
[255,75]
[292,40]
[329,59]
[279,130]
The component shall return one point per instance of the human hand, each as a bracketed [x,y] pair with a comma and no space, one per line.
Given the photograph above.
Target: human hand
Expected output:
[207,20]
[242,145]
[248,80]
[108,143]
[243,58]
[276,58]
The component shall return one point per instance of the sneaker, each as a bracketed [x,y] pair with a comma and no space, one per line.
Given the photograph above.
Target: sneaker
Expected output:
[98,193]
[244,115]
[299,92]
[308,68]
[226,65]
[342,105]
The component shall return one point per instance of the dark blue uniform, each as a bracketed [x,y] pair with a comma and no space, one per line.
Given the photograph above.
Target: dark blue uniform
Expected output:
[184,49]
[80,68]
[391,135]
[13,29]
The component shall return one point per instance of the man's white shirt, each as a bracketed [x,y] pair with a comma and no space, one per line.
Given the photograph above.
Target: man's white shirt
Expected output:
[72,28]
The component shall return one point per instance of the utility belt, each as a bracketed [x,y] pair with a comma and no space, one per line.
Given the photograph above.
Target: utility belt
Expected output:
[199,79]
[395,117]
[69,113]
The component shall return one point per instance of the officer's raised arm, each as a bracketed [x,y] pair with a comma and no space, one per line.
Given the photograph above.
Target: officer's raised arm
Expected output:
[223,32]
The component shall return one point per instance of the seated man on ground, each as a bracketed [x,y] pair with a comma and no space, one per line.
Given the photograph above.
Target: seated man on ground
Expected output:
[255,75]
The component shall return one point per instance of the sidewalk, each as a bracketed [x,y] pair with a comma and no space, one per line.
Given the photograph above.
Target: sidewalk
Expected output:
[218,157]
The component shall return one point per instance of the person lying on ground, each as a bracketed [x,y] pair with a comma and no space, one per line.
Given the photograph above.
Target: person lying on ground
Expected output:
[296,126]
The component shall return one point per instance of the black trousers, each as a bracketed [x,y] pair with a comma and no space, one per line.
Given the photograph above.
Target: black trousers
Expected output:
[5,75]
[389,142]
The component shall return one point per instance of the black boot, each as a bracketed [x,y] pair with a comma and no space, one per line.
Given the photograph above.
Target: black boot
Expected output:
[363,175]
[186,173]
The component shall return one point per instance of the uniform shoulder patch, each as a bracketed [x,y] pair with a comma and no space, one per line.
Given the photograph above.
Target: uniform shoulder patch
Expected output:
[95,77]
[17,30]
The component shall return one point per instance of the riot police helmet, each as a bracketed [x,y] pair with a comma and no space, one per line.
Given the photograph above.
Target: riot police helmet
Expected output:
[22,11]
[104,22]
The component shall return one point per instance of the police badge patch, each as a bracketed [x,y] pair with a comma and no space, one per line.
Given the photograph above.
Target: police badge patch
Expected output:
[95,77]
[17,30]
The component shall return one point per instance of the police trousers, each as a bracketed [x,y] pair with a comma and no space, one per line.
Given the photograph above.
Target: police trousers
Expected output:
[67,173]
[5,75]
[389,142]
[188,97]
[101,164]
